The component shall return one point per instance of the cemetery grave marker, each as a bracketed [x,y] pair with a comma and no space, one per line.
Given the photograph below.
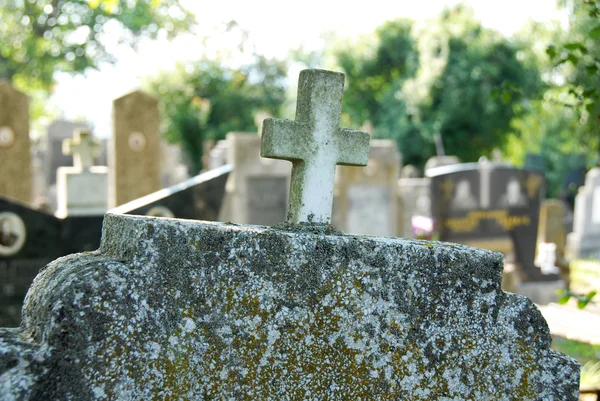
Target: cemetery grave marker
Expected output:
[365,198]
[82,190]
[15,158]
[134,164]
[314,144]
[176,309]
[552,231]
[584,241]
[29,239]
[257,188]
[492,206]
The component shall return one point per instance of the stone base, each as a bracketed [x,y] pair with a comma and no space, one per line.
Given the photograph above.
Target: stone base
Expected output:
[543,292]
[81,193]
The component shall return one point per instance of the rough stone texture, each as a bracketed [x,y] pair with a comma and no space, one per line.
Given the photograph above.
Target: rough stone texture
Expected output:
[15,158]
[134,157]
[178,310]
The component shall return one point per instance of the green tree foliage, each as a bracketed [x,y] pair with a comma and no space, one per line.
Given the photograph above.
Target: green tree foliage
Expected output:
[40,37]
[204,100]
[439,79]
[562,124]
[580,51]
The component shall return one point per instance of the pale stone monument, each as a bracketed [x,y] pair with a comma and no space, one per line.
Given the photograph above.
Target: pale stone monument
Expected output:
[82,190]
[257,189]
[584,241]
[439,161]
[180,309]
[552,231]
[365,200]
[414,199]
[15,157]
[315,145]
[172,168]
[135,148]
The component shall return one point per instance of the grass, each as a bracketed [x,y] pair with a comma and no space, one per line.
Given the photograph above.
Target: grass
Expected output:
[585,277]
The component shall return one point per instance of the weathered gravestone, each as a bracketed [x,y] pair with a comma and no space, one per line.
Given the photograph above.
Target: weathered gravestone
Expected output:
[15,158]
[82,190]
[134,157]
[29,239]
[257,188]
[365,200]
[176,309]
[584,241]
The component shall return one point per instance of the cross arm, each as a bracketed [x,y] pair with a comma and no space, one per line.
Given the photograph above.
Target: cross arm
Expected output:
[353,147]
[285,139]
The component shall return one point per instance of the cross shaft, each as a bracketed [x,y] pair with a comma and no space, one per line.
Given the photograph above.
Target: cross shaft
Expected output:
[314,144]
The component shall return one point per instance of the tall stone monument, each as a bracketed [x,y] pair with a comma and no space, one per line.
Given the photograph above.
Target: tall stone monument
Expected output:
[82,189]
[134,152]
[180,309]
[15,158]
[365,201]
[584,241]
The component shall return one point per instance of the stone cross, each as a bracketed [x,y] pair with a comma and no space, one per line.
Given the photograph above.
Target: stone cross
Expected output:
[314,144]
[84,147]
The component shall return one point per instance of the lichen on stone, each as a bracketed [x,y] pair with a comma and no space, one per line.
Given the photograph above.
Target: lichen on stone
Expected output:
[179,310]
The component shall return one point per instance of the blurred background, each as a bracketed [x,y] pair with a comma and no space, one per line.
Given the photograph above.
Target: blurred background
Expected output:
[521,77]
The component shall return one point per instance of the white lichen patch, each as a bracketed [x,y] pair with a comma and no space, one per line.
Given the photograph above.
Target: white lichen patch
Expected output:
[185,310]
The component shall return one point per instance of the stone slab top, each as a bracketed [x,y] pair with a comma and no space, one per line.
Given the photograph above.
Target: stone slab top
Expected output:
[177,309]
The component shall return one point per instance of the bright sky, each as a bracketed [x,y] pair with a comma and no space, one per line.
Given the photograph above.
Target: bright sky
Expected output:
[275,27]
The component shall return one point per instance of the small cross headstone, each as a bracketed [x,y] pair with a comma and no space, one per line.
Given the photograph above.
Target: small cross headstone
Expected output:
[84,147]
[314,144]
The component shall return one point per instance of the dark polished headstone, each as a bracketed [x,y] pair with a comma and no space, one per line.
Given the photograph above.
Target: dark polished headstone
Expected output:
[198,198]
[488,203]
[29,239]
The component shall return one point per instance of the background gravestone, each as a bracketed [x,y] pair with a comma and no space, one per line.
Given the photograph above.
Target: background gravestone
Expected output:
[414,199]
[197,198]
[15,156]
[257,188]
[492,206]
[584,241]
[82,188]
[365,197]
[29,239]
[552,231]
[134,157]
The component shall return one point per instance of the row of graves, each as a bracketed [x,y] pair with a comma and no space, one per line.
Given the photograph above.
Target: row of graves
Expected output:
[186,309]
[490,204]
[32,234]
